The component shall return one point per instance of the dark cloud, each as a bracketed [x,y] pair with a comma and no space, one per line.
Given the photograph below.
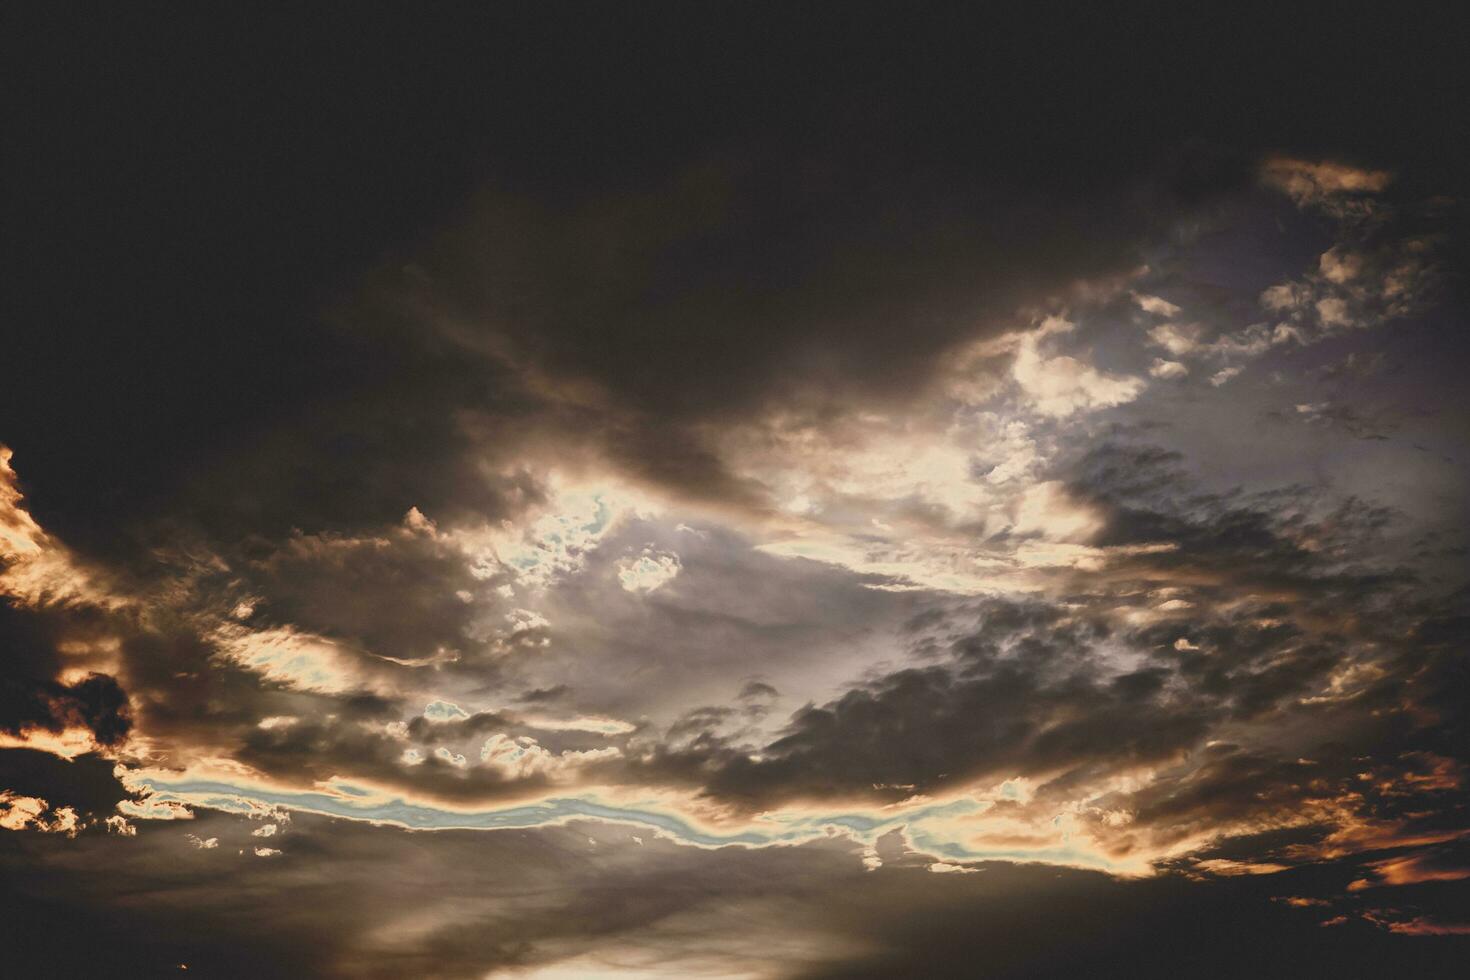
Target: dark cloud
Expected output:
[31,699]
[29,643]
[756,690]
[86,783]
[95,703]
[618,286]
[1159,928]
[743,183]
[1357,365]
[1019,697]
[332,902]
[1289,538]
[1356,423]
[543,694]
[395,593]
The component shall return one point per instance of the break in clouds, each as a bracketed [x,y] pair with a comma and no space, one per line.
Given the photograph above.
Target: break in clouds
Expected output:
[743,555]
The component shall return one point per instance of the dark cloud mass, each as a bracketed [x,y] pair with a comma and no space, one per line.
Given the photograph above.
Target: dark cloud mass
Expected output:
[734,491]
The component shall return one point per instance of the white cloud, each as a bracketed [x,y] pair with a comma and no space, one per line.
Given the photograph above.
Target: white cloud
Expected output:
[150,808]
[453,758]
[1340,265]
[1223,375]
[1062,385]
[118,824]
[523,757]
[415,521]
[517,758]
[647,571]
[1155,305]
[556,542]
[444,711]
[1177,338]
[1047,509]
[583,723]
[302,661]
[1284,296]
[526,629]
[1161,368]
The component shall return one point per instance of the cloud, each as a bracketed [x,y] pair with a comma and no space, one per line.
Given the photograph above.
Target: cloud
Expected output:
[1324,184]
[1048,510]
[1168,370]
[1340,265]
[1383,266]
[96,707]
[1422,926]
[1156,305]
[816,911]
[1061,385]
[523,757]
[555,542]
[36,569]
[780,529]
[1359,424]
[1409,869]
[1224,375]
[444,711]
[1177,338]
[647,571]
[1048,680]
[33,813]
[151,809]
[297,660]
[392,591]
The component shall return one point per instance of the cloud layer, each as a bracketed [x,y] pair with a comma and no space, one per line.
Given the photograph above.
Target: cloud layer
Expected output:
[717,519]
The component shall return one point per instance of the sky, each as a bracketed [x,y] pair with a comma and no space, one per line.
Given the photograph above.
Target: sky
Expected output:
[734,491]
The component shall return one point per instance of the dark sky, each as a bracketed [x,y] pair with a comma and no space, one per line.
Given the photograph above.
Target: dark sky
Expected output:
[734,490]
